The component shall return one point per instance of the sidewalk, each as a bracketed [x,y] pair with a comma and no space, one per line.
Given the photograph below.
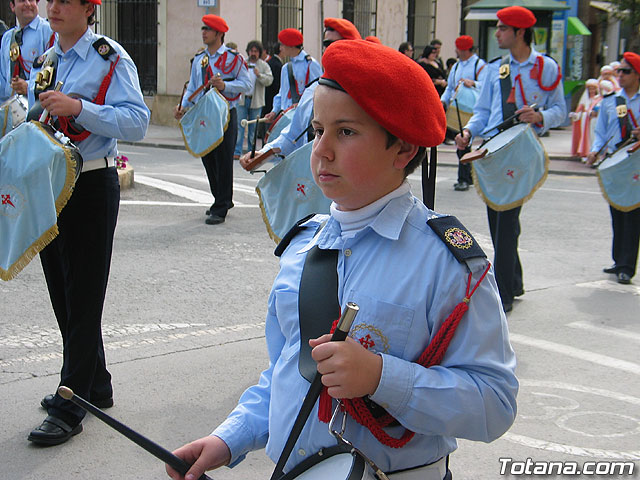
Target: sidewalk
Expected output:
[557,145]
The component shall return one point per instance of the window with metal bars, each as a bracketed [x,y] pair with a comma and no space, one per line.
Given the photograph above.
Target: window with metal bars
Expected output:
[421,24]
[278,15]
[134,25]
[363,14]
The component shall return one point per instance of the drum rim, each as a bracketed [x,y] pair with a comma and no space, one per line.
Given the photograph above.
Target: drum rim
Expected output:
[356,472]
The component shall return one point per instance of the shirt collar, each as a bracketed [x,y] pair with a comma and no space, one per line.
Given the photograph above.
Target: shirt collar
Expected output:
[300,57]
[624,94]
[33,24]
[81,47]
[532,58]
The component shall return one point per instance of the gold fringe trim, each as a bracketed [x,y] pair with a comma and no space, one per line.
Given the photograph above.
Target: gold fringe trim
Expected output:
[611,202]
[270,231]
[215,145]
[65,194]
[517,203]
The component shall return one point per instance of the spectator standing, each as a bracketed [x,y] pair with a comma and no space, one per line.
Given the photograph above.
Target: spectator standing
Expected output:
[584,119]
[433,68]
[406,48]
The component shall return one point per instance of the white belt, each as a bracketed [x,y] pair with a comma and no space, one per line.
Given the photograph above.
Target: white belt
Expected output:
[434,471]
[103,162]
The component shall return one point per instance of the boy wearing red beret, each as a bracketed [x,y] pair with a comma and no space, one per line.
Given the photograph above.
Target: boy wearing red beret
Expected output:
[513,83]
[617,124]
[296,74]
[407,268]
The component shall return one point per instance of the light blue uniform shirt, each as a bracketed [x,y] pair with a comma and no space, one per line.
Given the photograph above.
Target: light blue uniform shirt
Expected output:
[299,123]
[608,125]
[282,101]
[487,113]
[241,82]
[464,69]
[35,39]
[406,283]
[124,116]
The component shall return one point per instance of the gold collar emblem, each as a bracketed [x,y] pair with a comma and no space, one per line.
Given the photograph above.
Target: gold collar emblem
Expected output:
[14,52]
[504,71]
[205,61]
[621,110]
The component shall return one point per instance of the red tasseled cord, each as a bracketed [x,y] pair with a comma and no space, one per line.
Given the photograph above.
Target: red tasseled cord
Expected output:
[433,355]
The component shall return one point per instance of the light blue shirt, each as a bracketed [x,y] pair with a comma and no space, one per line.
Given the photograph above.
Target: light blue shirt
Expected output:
[300,121]
[406,283]
[35,39]
[124,115]
[608,125]
[236,81]
[301,66]
[467,69]
[487,113]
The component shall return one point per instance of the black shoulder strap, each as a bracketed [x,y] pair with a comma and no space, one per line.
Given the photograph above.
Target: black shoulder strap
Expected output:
[104,48]
[456,237]
[293,86]
[15,47]
[475,69]
[623,119]
[293,231]
[508,109]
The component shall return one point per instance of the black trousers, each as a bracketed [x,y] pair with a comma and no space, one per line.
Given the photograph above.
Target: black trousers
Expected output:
[219,167]
[626,238]
[464,169]
[505,230]
[76,267]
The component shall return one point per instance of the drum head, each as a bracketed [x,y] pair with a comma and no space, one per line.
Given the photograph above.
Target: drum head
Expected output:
[332,463]
[503,138]
[614,159]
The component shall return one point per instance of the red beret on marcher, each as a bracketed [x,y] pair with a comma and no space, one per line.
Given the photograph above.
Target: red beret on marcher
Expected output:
[632,59]
[372,38]
[344,27]
[96,2]
[464,42]
[215,22]
[290,37]
[386,89]
[517,17]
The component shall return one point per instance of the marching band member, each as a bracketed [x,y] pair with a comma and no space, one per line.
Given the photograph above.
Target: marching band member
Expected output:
[107,105]
[369,136]
[296,74]
[512,84]
[220,67]
[469,69]
[21,45]
[618,120]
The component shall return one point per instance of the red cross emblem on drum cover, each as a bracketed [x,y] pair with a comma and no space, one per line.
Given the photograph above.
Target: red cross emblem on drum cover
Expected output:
[510,173]
[367,343]
[301,188]
[202,123]
[636,177]
[6,200]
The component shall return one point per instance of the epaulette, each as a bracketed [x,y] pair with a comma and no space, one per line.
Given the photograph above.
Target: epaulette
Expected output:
[233,50]
[495,59]
[308,58]
[199,52]
[457,238]
[312,82]
[37,63]
[104,48]
[549,56]
[608,94]
[286,240]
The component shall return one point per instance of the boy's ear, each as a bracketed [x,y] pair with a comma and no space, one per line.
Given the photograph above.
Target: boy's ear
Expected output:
[405,153]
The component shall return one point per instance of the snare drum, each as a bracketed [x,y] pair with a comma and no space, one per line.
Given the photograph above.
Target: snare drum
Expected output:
[204,124]
[280,123]
[38,170]
[514,167]
[332,463]
[12,113]
[466,97]
[619,178]
[287,193]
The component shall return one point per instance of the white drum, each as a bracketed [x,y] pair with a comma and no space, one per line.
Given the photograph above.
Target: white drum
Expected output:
[334,464]
[619,178]
[12,113]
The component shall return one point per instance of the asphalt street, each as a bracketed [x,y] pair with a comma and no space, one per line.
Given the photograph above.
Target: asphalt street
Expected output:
[184,331]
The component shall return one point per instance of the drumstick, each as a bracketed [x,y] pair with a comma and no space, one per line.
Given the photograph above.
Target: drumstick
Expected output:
[502,126]
[244,122]
[458,113]
[255,138]
[153,448]
[199,89]
[339,335]
[45,113]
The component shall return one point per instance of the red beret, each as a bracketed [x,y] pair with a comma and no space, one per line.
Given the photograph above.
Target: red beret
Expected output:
[290,37]
[517,17]
[464,42]
[96,2]
[632,59]
[386,95]
[215,22]
[372,38]
[344,27]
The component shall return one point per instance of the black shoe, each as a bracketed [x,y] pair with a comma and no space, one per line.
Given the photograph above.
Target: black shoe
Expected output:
[214,220]
[47,402]
[507,307]
[461,187]
[53,431]
[208,212]
[519,293]
[611,269]
[624,278]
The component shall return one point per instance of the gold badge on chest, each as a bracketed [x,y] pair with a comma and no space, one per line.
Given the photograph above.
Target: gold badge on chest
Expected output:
[14,52]
[621,110]
[504,71]
[205,61]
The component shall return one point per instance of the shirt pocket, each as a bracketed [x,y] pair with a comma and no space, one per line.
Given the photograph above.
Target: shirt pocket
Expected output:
[381,327]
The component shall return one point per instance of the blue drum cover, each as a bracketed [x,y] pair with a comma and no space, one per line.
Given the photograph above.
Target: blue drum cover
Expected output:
[37,175]
[204,124]
[287,193]
[466,97]
[619,179]
[280,123]
[513,169]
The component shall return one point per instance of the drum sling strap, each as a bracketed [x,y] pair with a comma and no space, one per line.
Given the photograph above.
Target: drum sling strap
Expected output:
[18,67]
[625,125]
[508,107]
[293,86]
